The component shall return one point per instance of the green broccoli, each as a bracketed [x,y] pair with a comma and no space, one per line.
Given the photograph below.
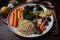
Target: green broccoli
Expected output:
[38,8]
[28,15]
[30,8]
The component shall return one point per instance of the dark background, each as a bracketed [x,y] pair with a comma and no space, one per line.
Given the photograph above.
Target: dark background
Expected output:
[6,34]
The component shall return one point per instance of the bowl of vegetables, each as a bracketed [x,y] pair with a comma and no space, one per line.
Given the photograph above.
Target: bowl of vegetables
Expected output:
[30,20]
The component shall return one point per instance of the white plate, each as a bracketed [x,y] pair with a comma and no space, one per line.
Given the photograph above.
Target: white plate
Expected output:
[50,24]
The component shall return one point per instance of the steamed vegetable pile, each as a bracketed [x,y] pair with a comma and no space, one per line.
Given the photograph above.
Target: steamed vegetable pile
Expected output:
[33,17]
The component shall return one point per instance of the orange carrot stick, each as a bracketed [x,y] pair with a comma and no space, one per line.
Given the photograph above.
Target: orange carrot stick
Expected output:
[12,19]
[15,18]
[43,23]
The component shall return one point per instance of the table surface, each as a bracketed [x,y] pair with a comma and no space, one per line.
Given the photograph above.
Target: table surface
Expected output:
[7,34]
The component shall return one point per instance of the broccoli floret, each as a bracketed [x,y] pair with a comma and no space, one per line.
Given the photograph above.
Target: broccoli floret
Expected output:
[27,7]
[26,12]
[30,8]
[28,15]
[38,8]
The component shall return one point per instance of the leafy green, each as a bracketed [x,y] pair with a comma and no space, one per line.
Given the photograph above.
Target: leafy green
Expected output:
[28,15]
[30,8]
[34,21]
[38,8]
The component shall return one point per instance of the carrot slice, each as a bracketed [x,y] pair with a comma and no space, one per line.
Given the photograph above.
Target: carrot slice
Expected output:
[15,18]
[12,19]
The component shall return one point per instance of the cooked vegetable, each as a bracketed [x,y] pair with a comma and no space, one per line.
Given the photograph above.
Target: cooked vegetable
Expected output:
[28,15]
[34,21]
[30,8]
[38,8]
[22,8]
[43,23]
[45,14]
[30,19]
[19,14]
[35,9]
[39,12]
[39,21]
[27,8]
[42,14]
[22,16]
[39,31]
[48,12]
[43,28]
[12,19]
[15,18]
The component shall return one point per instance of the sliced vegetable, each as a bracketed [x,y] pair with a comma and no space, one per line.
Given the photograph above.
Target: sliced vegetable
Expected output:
[12,19]
[22,17]
[39,12]
[19,14]
[43,23]
[39,21]
[43,28]
[42,14]
[48,12]
[22,8]
[15,18]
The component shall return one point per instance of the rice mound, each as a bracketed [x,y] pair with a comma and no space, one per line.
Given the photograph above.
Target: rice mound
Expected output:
[25,27]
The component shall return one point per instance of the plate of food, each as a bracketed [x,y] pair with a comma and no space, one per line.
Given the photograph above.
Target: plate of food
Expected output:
[30,20]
